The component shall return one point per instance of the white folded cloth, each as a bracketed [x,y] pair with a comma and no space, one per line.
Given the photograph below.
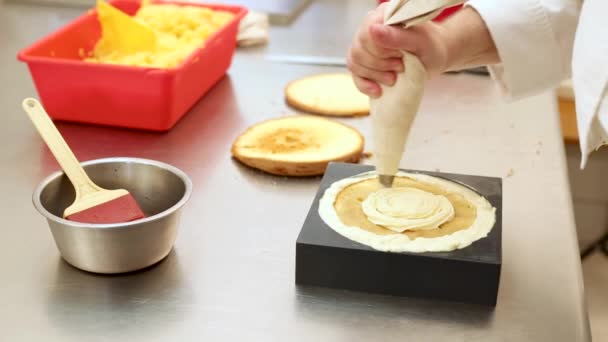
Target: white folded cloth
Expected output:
[253,29]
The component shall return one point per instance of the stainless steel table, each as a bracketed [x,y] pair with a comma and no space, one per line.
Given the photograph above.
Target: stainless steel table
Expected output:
[231,274]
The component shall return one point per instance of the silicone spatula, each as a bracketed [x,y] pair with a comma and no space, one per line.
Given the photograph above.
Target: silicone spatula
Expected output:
[92,204]
[123,33]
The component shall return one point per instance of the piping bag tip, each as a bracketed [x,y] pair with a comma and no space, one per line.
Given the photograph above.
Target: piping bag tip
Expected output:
[386,180]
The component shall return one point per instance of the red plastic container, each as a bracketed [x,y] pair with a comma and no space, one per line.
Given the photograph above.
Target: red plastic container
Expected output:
[123,96]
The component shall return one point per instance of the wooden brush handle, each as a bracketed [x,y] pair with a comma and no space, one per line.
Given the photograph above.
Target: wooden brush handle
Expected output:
[60,149]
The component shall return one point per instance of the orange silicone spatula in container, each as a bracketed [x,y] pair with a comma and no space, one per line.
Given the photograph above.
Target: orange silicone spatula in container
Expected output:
[121,32]
[92,204]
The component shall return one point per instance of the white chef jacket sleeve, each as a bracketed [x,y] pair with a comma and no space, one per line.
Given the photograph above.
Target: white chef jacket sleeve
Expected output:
[534,39]
[590,77]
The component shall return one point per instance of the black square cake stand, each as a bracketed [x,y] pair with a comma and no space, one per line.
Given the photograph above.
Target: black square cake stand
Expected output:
[469,275]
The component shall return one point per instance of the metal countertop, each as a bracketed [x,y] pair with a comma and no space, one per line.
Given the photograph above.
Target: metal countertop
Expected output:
[231,274]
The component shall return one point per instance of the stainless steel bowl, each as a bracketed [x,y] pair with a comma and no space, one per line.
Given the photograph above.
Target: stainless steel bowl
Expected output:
[160,189]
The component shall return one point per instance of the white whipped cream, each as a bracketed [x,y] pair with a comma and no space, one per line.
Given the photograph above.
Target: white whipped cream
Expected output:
[403,208]
[484,221]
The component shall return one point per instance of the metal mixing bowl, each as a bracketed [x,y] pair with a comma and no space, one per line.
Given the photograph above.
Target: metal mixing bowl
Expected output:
[160,189]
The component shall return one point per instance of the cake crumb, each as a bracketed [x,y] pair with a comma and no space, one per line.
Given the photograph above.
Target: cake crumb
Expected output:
[510,173]
[366,155]
[539,146]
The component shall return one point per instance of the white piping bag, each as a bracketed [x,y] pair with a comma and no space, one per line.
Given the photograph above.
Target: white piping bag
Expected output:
[394,111]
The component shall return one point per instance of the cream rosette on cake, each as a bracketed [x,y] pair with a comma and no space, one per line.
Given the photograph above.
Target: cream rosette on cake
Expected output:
[401,209]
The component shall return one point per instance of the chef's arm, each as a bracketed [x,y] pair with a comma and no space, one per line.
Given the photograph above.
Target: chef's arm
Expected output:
[527,45]
[533,39]
[468,41]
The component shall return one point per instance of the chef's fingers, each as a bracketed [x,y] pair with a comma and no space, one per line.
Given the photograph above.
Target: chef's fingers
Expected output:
[374,17]
[370,88]
[359,55]
[366,41]
[395,38]
[385,77]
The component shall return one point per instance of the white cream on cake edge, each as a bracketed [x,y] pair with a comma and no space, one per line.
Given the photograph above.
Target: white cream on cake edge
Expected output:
[486,217]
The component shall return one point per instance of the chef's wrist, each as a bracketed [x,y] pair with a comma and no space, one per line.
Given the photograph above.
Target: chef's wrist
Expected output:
[468,41]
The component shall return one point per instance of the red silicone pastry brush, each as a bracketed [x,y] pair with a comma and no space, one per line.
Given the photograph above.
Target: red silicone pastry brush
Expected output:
[93,204]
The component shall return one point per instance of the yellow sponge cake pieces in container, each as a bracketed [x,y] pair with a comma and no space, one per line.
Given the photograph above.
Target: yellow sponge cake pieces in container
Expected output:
[152,90]
[179,29]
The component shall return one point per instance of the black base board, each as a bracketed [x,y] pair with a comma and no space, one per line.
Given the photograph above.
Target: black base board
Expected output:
[470,275]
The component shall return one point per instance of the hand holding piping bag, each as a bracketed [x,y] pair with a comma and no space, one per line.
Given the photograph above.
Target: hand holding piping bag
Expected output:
[394,110]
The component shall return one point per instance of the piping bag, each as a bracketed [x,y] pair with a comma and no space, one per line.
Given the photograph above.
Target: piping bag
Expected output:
[394,111]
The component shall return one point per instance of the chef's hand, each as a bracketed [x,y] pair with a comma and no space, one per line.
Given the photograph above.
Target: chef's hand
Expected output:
[375,55]
[460,42]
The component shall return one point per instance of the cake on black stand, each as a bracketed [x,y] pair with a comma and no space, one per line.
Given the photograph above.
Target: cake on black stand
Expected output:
[469,275]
